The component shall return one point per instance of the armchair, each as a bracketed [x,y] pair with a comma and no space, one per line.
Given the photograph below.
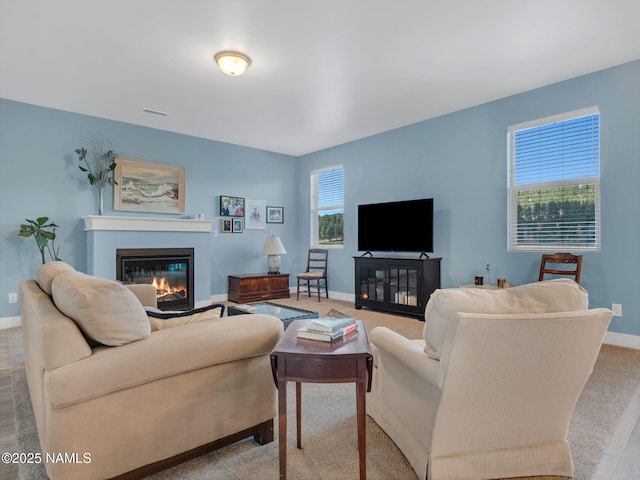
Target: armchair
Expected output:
[497,403]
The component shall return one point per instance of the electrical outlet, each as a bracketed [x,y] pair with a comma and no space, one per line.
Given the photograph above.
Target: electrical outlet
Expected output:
[13,298]
[616,308]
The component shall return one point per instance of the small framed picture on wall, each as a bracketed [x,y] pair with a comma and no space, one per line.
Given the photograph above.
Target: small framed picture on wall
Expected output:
[231,206]
[275,214]
[226,225]
[255,215]
[238,225]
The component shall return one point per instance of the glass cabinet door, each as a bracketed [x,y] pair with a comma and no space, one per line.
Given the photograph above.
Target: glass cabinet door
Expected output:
[403,286]
[372,284]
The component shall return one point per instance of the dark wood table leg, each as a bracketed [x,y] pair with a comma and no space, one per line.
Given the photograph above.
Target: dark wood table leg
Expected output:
[282,427]
[309,363]
[361,391]
[299,413]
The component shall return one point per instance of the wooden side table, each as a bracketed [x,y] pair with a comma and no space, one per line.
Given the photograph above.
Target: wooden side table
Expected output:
[298,360]
[254,287]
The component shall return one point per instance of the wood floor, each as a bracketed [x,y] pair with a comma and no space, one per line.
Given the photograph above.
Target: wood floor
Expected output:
[10,357]
[621,461]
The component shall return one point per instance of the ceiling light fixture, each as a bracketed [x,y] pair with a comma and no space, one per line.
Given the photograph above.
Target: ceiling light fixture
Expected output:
[232,63]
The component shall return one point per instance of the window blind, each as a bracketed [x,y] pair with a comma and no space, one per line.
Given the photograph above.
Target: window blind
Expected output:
[327,207]
[554,183]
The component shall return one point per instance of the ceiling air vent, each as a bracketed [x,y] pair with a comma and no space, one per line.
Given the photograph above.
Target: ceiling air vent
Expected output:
[151,111]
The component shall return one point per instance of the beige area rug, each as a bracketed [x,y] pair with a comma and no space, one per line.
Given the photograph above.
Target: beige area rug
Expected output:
[329,422]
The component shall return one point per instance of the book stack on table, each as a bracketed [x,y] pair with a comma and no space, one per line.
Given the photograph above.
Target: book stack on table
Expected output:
[328,329]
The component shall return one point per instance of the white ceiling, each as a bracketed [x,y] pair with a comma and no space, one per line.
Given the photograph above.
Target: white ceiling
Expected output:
[324,72]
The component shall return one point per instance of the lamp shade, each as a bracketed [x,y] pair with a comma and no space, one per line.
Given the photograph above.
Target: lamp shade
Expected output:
[273,246]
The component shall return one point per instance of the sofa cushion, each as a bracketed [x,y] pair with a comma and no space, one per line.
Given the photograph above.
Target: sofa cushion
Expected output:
[106,311]
[146,293]
[47,272]
[559,295]
[159,319]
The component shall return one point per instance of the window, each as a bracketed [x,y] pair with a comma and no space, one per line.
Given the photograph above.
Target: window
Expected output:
[554,183]
[327,207]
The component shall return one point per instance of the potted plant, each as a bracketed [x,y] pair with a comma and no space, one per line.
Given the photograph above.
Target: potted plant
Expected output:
[99,168]
[43,232]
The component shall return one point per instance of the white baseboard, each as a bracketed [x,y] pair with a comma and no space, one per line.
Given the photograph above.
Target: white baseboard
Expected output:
[9,322]
[347,297]
[219,298]
[622,340]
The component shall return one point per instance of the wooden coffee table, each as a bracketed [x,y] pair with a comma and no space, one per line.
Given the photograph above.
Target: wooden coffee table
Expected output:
[299,360]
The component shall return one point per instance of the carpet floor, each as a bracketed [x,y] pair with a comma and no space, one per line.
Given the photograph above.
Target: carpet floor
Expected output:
[329,437]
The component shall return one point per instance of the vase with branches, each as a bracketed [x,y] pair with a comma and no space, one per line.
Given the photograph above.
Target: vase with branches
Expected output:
[99,167]
[44,232]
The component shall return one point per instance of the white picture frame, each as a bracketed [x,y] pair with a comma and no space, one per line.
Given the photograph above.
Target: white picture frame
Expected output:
[255,215]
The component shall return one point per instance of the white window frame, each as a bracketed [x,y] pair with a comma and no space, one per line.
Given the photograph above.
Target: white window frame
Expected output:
[513,189]
[316,209]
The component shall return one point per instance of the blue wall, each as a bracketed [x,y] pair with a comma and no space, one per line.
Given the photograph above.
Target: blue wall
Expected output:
[39,177]
[458,159]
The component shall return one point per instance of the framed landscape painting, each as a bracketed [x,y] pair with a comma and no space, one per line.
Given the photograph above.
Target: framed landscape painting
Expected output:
[148,187]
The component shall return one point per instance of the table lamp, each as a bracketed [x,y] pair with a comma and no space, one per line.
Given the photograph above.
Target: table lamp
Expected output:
[274,248]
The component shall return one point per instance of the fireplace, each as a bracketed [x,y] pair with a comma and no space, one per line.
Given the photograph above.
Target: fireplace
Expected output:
[169,269]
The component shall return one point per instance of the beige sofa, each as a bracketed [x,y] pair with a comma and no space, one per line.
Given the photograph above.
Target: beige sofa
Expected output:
[490,389]
[129,401]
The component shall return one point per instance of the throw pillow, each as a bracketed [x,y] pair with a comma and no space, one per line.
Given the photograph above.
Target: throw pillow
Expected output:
[160,320]
[50,270]
[559,295]
[106,311]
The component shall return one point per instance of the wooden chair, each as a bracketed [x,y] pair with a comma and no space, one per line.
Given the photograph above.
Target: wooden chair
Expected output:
[316,272]
[561,258]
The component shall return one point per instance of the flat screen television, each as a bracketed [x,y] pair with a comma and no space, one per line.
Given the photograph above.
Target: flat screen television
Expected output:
[405,226]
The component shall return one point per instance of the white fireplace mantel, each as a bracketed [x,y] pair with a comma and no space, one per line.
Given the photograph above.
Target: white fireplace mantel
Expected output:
[103,222]
[107,234]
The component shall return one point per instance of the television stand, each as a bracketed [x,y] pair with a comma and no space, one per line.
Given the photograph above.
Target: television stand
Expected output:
[396,285]
[423,254]
[367,254]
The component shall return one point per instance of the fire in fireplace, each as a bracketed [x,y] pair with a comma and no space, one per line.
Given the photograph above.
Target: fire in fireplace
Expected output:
[170,270]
